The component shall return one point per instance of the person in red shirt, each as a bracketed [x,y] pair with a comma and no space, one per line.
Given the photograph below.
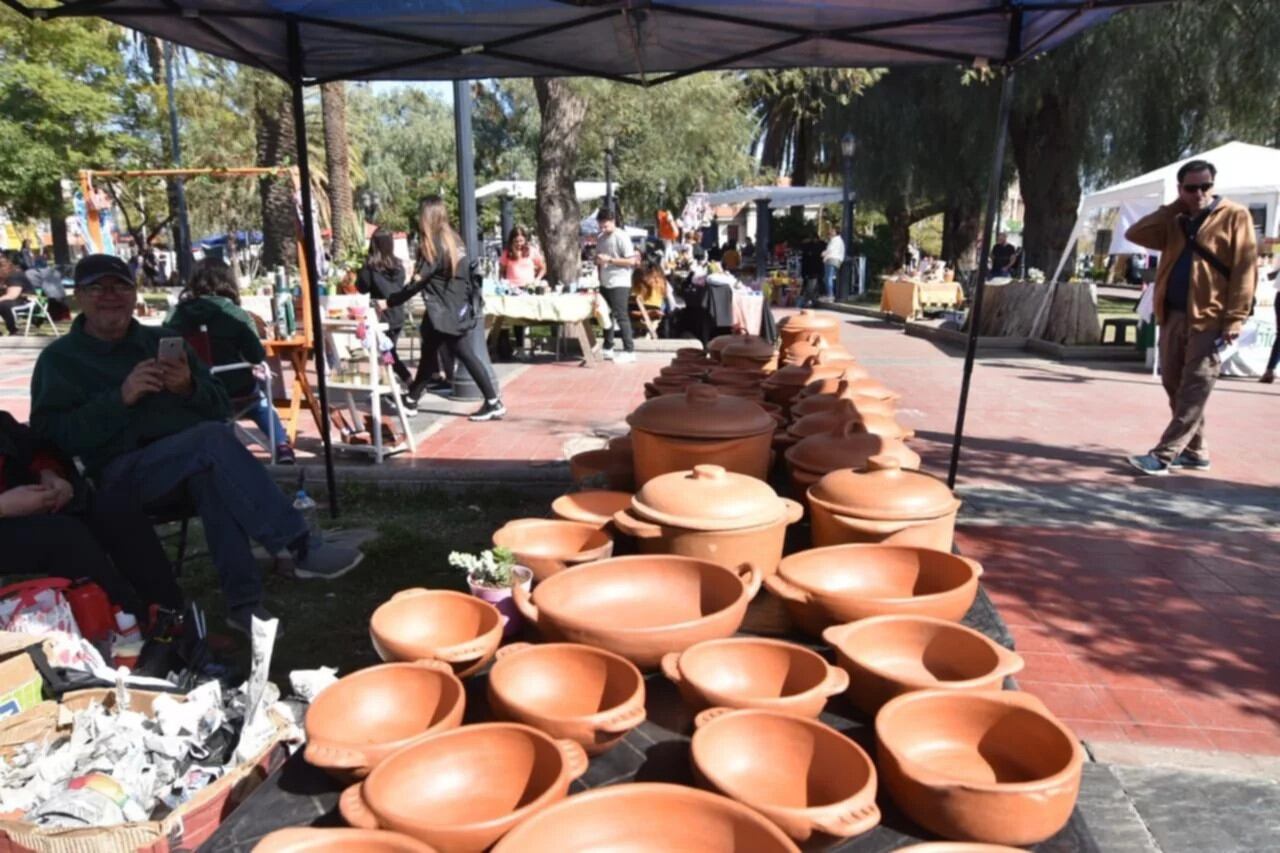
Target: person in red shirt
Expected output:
[521,264]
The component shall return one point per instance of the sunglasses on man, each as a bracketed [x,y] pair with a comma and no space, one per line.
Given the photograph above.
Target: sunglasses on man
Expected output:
[1197,188]
[99,288]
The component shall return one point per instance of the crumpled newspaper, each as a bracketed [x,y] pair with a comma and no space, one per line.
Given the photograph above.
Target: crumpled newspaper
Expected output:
[307,683]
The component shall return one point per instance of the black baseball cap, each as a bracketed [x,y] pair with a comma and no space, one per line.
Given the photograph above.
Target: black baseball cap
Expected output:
[94,268]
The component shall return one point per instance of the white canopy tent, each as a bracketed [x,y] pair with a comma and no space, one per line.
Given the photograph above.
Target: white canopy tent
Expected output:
[778,196]
[584,190]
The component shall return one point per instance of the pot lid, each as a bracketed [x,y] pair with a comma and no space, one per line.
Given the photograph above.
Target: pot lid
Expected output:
[694,354]
[707,498]
[814,403]
[847,445]
[855,381]
[820,366]
[845,412]
[807,321]
[684,368]
[753,348]
[701,412]
[884,491]
[719,342]
[736,376]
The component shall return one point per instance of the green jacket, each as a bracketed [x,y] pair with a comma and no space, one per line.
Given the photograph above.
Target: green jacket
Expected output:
[233,338]
[76,403]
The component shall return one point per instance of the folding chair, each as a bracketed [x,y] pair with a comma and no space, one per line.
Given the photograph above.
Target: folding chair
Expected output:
[36,304]
[648,315]
[241,407]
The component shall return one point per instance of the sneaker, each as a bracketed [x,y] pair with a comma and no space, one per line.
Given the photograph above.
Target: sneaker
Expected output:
[409,404]
[1187,461]
[1149,464]
[607,355]
[490,411]
[285,455]
[1268,378]
[241,619]
[327,561]
[625,358]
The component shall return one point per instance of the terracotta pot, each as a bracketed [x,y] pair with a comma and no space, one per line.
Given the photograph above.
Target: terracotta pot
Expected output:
[437,624]
[815,403]
[619,444]
[887,656]
[500,597]
[460,791]
[584,694]
[641,607]
[774,410]
[602,469]
[884,503]
[309,840]
[787,382]
[754,354]
[725,376]
[711,514]
[646,817]
[675,433]
[548,546]
[811,345]
[685,369]
[594,507]
[996,767]
[753,672]
[802,775]
[367,715]
[850,384]
[843,413]
[754,393]
[829,586]
[692,354]
[717,344]
[847,445]
[672,383]
[805,324]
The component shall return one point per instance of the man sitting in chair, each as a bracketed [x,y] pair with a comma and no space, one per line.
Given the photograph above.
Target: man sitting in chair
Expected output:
[147,428]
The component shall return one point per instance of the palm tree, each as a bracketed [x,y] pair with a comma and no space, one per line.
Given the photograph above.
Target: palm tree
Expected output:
[337,159]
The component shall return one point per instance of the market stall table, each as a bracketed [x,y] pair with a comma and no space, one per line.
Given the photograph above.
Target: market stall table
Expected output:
[908,298]
[571,313]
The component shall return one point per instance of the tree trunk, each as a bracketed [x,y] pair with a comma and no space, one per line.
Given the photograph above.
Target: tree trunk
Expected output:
[961,228]
[563,111]
[801,158]
[1073,316]
[899,218]
[275,147]
[333,108]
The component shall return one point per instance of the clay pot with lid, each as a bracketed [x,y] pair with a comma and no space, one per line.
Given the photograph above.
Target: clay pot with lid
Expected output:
[754,672]
[314,840]
[815,403]
[756,354]
[669,384]
[805,324]
[690,354]
[812,345]
[843,413]
[885,503]
[711,514]
[363,717]
[804,776]
[641,607]
[717,344]
[844,583]
[548,546]
[603,469]
[993,767]
[726,376]
[696,370]
[437,624]
[850,384]
[587,695]
[701,426]
[787,382]
[461,790]
[595,507]
[887,656]
[846,445]
[647,817]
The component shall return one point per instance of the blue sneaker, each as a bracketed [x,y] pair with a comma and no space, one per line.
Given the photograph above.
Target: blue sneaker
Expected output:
[1188,462]
[1149,464]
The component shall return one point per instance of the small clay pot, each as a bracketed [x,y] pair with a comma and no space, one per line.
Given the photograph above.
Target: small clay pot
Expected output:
[850,383]
[365,716]
[731,376]
[619,444]
[811,346]
[887,656]
[750,355]
[647,817]
[437,624]
[882,504]
[690,369]
[754,393]
[602,469]
[815,403]
[672,384]
[584,694]
[847,445]
[830,586]
[677,432]
[845,412]
[717,344]
[802,775]
[641,607]
[593,507]
[696,355]
[548,546]
[754,672]
[994,767]
[787,382]
[461,790]
[804,325]
[313,840]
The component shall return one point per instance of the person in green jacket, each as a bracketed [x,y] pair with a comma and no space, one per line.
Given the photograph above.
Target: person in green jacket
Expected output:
[212,301]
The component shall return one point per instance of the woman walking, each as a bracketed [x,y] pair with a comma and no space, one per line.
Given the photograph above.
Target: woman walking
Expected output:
[382,276]
[454,304]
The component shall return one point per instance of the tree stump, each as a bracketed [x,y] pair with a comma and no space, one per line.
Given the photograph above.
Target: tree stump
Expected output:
[1073,317]
[1009,309]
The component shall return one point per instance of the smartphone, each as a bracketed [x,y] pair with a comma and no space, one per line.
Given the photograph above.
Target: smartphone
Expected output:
[171,348]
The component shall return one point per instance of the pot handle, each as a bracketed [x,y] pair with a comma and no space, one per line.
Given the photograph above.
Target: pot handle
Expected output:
[752,580]
[710,714]
[354,811]
[784,589]
[977,567]
[1009,662]
[836,682]
[575,757]
[461,654]
[833,635]
[632,526]
[409,593]
[794,510]
[320,753]
[524,603]
[626,721]
[511,649]
[671,667]
[843,822]
[433,664]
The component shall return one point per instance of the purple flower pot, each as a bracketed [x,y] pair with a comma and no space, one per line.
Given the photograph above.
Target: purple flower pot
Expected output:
[501,599]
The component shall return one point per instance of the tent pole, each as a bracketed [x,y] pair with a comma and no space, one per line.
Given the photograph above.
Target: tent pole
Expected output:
[309,246]
[984,261]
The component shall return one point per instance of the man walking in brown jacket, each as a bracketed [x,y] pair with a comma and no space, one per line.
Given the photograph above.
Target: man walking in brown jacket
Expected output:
[1203,294]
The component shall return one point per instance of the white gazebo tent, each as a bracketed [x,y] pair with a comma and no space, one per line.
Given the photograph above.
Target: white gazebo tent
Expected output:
[584,190]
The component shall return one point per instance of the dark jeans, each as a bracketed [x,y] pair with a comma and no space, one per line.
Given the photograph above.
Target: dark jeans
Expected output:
[1189,369]
[809,294]
[398,367]
[619,301]
[434,362]
[6,313]
[265,418]
[1274,359]
[234,496]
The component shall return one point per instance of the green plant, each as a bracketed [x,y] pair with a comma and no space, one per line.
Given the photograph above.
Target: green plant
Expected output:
[492,568]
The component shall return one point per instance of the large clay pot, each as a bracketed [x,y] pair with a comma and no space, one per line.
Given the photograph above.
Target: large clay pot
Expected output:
[884,504]
[830,586]
[437,624]
[647,817]
[603,469]
[717,344]
[581,693]
[620,444]
[754,672]
[750,355]
[365,716]
[887,656]
[787,382]
[548,546]
[814,403]
[847,445]
[802,775]
[641,607]
[711,514]
[825,422]
[460,791]
[811,345]
[850,384]
[804,325]
[996,767]
[595,508]
[312,840]
[678,432]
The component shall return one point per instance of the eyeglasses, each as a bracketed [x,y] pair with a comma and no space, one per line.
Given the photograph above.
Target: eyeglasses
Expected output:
[1193,188]
[102,288]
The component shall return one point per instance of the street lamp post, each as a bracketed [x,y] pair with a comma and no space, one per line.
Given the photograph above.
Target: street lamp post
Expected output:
[848,144]
[608,173]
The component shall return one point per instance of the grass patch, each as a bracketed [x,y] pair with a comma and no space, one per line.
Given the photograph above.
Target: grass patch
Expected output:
[1111,305]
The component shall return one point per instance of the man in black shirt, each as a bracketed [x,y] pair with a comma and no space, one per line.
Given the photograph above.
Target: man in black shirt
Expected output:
[1003,257]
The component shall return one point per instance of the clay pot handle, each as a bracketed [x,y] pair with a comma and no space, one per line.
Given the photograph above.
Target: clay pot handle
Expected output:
[624,722]
[461,654]
[794,510]
[319,753]
[671,667]
[975,565]
[354,811]
[1009,662]
[524,603]
[512,649]
[843,822]
[632,526]
[851,427]
[782,588]
[710,714]
[575,757]
[836,682]
[408,593]
[432,664]
[752,579]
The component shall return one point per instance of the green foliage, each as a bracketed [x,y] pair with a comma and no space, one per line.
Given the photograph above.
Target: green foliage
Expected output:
[492,568]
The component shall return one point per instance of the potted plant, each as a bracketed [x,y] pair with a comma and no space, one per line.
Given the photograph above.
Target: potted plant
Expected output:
[491,575]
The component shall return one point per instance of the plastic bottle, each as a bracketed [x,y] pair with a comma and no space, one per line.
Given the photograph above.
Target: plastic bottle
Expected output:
[303,503]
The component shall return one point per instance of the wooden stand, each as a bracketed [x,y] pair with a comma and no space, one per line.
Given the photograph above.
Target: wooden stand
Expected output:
[374,388]
[1012,310]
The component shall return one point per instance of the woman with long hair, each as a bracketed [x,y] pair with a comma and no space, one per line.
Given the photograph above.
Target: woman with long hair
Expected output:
[454,304]
[521,263]
[382,276]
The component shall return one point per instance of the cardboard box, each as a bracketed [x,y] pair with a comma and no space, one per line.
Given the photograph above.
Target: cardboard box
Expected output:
[21,686]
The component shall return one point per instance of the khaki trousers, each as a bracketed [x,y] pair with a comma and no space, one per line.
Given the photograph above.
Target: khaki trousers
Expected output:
[1189,368]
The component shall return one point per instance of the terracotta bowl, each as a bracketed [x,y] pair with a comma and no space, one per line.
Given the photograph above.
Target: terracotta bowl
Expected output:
[603,469]
[354,724]
[581,693]
[802,775]
[593,507]
[995,767]
[887,656]
[548,546]
[647,817]
[310,840]
[460,791]
[641,607]
[437,624]
[843,583]
[751,672]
